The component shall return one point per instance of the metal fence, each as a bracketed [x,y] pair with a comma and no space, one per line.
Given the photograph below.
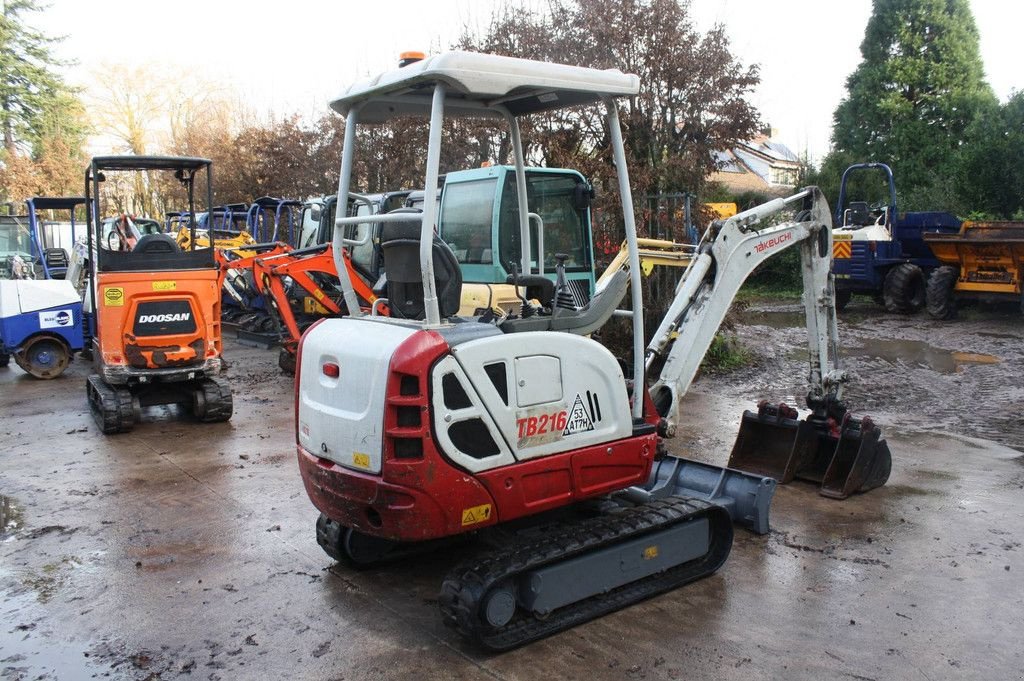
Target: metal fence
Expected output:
[667,216]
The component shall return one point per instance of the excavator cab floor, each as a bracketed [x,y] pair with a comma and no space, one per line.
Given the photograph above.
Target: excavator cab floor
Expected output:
[844,457]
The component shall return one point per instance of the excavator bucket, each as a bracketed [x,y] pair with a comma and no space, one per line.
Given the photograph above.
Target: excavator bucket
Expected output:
[844,456]
[852,457]
[766,443]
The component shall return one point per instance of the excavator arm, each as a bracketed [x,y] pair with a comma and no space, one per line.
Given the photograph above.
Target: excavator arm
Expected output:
[301,266]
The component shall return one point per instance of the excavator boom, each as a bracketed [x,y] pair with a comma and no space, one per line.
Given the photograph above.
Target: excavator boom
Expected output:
[729,252]
[845,455]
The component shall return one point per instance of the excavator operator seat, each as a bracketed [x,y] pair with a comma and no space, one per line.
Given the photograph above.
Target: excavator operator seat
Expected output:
[859,214]
[57,262]
[157,243]
[400,246]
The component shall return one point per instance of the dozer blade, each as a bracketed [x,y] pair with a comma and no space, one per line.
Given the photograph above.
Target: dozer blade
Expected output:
[746,496]
[845,457]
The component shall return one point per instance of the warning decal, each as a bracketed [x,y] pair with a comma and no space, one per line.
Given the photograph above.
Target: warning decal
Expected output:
[579,420]
[113,296]
[476,514]
[311,306]
[842,249]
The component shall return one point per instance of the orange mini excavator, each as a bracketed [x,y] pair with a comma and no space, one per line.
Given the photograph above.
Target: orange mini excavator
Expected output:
[155,310]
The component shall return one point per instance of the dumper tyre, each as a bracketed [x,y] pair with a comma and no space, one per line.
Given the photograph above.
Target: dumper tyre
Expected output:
[940,302]
[5,359]
[843,297]
[904,289]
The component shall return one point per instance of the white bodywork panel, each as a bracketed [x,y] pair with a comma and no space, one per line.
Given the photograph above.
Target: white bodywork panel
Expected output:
[450,417]
[342,419]
[30,295]
[592,408]
[869,233]
[538,380]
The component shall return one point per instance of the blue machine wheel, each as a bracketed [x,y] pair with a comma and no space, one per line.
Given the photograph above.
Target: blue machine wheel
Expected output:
[43,357]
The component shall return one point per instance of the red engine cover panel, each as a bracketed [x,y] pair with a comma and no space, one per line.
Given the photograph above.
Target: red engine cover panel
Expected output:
[549,482]
[366,503]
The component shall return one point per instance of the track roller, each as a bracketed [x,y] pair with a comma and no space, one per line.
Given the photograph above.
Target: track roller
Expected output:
[355,549]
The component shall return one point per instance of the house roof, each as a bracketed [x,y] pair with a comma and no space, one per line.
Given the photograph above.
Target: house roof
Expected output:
[775,151]
[758,156]
[727,162]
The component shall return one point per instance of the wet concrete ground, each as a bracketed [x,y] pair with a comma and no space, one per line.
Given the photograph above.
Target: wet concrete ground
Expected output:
[187,551]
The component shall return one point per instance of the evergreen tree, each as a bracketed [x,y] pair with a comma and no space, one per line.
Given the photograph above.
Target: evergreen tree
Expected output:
[992,162]
[913,98]
[41,118]
[29,84]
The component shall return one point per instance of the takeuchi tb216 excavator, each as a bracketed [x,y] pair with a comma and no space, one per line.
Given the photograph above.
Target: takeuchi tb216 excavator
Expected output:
[519,429]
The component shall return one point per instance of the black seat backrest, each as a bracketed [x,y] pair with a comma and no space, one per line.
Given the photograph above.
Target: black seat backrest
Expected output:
[157,243]
[56,257]
[400,246]
[860,214]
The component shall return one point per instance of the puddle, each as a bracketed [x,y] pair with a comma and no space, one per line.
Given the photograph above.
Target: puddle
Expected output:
[10,516]
[993,334]
[774,319]
[918,353]
[31,646]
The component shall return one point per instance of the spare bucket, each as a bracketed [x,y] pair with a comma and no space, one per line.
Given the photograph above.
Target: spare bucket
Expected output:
[845,456]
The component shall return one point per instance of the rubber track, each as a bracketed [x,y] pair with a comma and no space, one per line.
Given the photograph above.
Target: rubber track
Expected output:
[221,406]
[465,588]
[111,407]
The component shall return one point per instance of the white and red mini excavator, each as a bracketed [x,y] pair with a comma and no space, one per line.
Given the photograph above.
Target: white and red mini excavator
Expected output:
[420,427]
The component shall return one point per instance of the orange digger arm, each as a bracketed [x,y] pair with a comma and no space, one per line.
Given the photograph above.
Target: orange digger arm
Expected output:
[270,273]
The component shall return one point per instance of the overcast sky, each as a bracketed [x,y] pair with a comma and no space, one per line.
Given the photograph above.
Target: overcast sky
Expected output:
[293,56]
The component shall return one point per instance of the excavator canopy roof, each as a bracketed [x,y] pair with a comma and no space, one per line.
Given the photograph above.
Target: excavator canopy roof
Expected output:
[149,163]
[480,85]
[57,202]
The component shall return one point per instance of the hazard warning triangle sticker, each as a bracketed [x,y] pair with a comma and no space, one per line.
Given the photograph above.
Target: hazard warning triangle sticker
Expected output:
[579,419]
